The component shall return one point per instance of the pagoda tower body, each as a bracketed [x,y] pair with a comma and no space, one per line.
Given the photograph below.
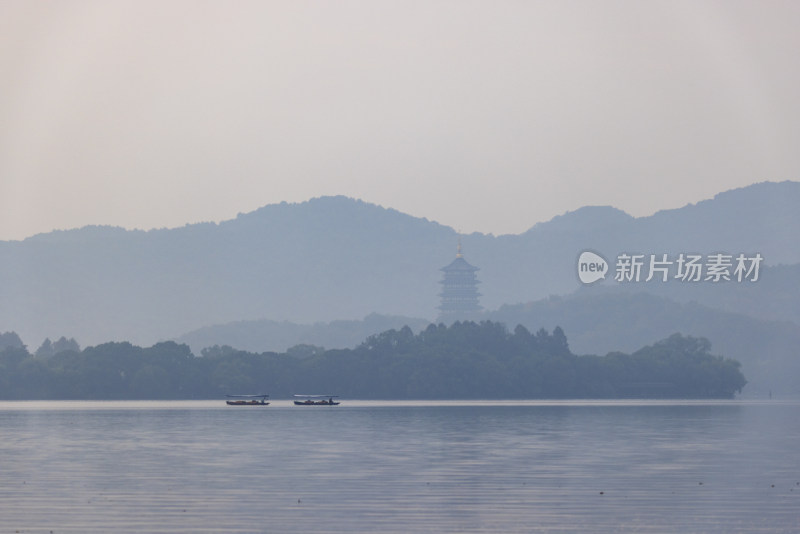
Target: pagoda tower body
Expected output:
[459,290]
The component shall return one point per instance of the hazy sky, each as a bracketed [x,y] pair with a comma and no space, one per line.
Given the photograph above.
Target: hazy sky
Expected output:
[486,116]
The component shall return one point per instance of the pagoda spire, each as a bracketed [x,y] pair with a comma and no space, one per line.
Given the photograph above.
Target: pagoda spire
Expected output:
[459,289]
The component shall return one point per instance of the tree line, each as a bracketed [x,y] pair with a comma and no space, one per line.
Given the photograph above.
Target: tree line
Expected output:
[465,360]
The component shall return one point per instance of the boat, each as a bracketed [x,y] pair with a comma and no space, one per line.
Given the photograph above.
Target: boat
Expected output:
[316,400]
[247,400]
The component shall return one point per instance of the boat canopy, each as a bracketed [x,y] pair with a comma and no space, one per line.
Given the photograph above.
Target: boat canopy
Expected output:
[318,396]
[265,396]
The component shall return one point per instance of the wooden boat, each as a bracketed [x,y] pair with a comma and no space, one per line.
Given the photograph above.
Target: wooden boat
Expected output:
[247,400]
[316,400]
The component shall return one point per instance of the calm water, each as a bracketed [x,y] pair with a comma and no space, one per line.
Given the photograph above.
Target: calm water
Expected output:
[400,467]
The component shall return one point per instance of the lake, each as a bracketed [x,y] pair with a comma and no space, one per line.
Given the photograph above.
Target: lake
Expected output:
[529,466]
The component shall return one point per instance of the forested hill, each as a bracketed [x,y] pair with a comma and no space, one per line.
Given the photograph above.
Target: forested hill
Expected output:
[337,258]
[463,361]
[278,336]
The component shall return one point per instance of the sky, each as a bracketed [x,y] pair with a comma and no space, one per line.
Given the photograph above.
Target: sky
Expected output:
[485,116]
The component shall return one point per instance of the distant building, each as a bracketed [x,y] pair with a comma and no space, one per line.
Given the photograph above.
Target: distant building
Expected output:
[459,291]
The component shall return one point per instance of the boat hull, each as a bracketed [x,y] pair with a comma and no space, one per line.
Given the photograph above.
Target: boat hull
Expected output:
[316,403]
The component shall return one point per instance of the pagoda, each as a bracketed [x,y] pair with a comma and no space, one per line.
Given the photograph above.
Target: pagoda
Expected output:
[460,290]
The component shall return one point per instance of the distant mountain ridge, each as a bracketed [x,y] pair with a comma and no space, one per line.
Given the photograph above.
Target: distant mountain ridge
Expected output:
[598,320]
[335,258]
[609,320]
[279,336]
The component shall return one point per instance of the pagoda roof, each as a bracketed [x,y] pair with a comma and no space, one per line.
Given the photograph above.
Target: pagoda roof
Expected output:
[459,264]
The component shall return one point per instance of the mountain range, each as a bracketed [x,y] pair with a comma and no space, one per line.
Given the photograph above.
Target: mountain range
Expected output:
[340,259]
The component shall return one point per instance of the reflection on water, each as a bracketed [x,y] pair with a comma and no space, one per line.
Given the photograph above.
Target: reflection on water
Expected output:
[400,467]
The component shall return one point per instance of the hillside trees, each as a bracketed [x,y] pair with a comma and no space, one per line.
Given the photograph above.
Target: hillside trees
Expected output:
[465,360]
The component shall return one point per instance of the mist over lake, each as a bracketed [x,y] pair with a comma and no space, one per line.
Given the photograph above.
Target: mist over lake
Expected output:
[540,260]
[389,466]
